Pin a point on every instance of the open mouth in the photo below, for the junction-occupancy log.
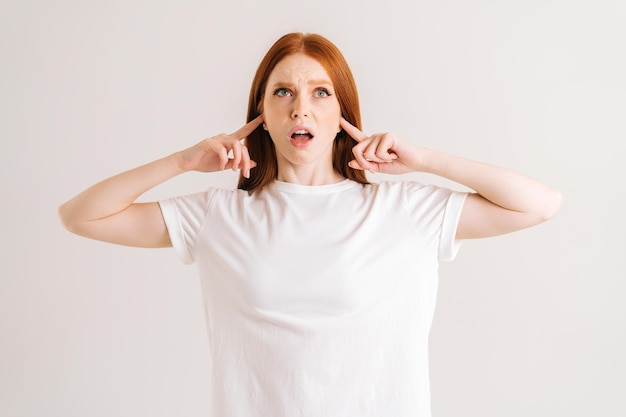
(301, 136)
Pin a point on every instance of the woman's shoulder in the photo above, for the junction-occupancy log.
(401, 186)
(411, 192)
(205, 197)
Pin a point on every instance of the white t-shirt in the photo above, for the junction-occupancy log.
(319, 299)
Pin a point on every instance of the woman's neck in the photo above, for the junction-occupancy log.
(303, 176)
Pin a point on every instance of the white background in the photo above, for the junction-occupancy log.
(529, 324)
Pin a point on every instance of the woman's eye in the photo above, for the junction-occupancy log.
(282, 92)
(322, 92)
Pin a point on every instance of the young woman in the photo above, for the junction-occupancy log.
(319, 286)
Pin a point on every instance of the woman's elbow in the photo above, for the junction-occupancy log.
(67, 220)
(551, 205)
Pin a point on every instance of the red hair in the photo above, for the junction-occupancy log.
(259, 143)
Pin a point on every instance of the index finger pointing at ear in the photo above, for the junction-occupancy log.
(248, 128)
(352, 130)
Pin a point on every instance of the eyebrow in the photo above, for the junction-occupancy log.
(320, 81)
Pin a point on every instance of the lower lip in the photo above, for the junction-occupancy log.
(300, 143)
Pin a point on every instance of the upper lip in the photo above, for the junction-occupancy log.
(304, 128)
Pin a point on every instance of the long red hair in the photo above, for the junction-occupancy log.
(259, 143)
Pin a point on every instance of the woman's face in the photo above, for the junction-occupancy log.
(301, 113)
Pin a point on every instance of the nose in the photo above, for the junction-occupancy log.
(300, 107)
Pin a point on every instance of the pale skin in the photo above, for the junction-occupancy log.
(300, 95)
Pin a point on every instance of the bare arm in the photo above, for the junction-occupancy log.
(107, 211)
(504, 201)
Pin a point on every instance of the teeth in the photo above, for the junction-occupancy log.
(301, 132)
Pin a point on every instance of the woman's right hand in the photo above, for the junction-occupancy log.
(212, 154)
(107, 211)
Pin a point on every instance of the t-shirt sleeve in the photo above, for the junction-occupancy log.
(184, 217)
(448, 243)
(436, 212)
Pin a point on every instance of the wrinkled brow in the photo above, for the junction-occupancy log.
(320, 81)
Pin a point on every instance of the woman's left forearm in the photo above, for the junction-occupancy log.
(503, 187)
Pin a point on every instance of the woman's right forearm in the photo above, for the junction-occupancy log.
(109, 200)
(117, 193)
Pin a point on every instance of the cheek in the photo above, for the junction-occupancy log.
(271, 120)
(333, 111)
(271, 111)
(333, 118)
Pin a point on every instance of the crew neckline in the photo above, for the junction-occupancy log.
(290, 187)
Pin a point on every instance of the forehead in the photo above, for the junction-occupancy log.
(298, 68)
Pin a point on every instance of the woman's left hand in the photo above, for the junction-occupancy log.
(504, 201)
(383, 152)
